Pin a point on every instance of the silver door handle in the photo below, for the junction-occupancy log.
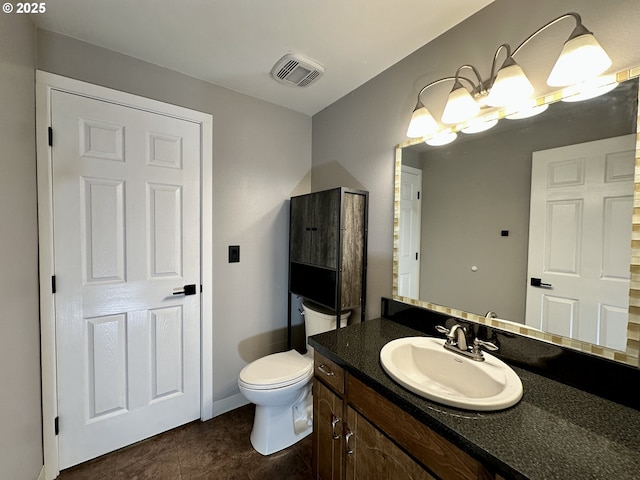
(334, 421)
(323, 368)
(347, 438)
(186, 290)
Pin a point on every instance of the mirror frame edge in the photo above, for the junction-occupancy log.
(631, 356)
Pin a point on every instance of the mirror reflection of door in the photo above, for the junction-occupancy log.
(409, 231)
(580, 240)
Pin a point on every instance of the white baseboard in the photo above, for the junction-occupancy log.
(41, 476)
(230, 403)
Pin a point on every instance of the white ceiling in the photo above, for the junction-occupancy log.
(235, 43)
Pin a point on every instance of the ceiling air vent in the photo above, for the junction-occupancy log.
(296, 70)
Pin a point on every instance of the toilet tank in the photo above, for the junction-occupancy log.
(318, 319)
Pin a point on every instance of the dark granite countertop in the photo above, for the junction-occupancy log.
(554, 432)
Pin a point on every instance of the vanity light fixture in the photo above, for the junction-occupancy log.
(582, 59)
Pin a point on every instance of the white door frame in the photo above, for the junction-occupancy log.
(45, 84)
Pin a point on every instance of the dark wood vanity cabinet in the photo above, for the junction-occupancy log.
(357, 434)
(328, 248)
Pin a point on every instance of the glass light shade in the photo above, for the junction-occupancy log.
(421, 124)
(478, 125)
(441, 138)
(527, 111)
(460, 106)
(582, 58)
(511, 87)
(590, 89)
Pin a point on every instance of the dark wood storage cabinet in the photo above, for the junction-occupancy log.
(315, 225)
(328, 248)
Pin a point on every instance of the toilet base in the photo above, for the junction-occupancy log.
(278, 427)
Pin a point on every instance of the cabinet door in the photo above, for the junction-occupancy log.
(353, 249)
(328, 420)
(369, 454)
(325, 229)
(300, 228)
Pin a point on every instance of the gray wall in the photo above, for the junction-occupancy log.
(261, 156)
(20, 414)
(354, 139)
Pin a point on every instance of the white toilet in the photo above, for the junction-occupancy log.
(280, 386)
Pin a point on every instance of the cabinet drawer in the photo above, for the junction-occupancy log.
(329, 372)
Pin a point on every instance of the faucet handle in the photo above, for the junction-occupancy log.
(442, 329)
(477, 343)
(448, 332)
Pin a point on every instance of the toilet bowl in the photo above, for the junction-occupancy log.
(280, 387)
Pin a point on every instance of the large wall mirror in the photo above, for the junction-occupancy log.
(532, 226)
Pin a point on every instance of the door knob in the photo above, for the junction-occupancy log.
(186, 290)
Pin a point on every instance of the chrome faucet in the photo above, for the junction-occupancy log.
(457, 342)
(458, 336)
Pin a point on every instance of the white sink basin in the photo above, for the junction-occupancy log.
(422, 365)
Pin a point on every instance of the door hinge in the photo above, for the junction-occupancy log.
(418, 195)
(53, 284)
(56, 425)
(416, 255)
(50, 137)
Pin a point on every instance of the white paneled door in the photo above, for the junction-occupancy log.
(409, 237)
(580, 240)
(126, 206)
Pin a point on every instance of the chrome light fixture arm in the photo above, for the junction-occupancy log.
(419, 103)
(494, 73)
(475, 89)
(578, 27)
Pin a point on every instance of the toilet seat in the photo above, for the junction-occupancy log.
(277, 370)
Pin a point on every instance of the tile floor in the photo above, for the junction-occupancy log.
(218, 449)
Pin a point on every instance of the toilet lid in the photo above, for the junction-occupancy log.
(276, 370)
